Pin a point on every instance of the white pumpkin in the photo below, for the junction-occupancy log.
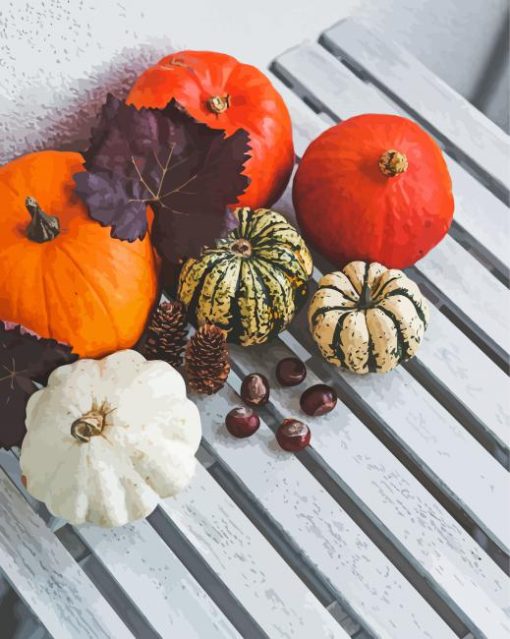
(367, 318)
(107, 439)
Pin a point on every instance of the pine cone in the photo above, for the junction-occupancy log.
(206, 361)
(167, 334)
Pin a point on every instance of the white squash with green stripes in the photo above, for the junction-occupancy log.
(368, 318)
(252, 282)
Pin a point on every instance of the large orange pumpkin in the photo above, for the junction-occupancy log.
(61, 274)
(373, 188)
(225, 94)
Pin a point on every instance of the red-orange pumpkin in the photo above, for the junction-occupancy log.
(68, 280)
(225, 94)
(373, 188)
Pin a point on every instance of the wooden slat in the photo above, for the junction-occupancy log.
(158, 584)
(249, 566)
(477, 211)
(482, 297)
(475, 138)
(47, 577)
(312, 68)
(475, 377)
(365, 582)
(392, 497)
(436, 441)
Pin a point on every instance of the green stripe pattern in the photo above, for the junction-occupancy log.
(368, 318)
(252, 296)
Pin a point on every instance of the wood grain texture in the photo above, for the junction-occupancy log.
(471, 376)
(261, 581)
(366, 582)
(47, 577)
(158, 584)
(440, 446)
(393, 498)
(471, 134)
(317, 74)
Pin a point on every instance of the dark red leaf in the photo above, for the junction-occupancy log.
(25, 358)
(188, 172)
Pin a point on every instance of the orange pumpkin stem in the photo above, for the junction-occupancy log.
(43, 227)
(393, 163)
(218, 103)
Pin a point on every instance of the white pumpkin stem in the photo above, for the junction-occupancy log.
(393, 163)
(90, 424)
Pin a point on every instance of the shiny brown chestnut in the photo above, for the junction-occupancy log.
(242, 422)
(290, 371)
(293, 435)
(255, 389)
(318, 400)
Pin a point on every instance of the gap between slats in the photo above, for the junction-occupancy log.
(329, 481)
(453, 151)
(426, 378)
(489, 438)
(468, 326)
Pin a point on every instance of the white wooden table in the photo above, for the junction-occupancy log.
(396, 522)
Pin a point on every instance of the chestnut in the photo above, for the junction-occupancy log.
(290, 371)
(255, 390)
(318, 400)
(293, 435)
(242, 422)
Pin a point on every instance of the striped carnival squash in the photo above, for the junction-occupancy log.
(251, 284)
(368, 318)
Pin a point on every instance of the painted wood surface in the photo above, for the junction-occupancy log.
(47, 577)
(396, 501)
(156, 581)
(472, 135)
(317, 71)
(462, 367)
(366, 582)
(436, 441)
(258, 577)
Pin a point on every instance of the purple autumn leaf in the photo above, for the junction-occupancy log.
(188, 172)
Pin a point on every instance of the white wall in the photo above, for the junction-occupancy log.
(59, 57)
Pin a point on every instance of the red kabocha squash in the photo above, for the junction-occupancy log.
(373, 188)
(61, 274)
(223, 93)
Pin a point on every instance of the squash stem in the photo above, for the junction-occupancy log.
(241, 247)
(219, 103)
(365, 299)
(43, 227)
(393, 163)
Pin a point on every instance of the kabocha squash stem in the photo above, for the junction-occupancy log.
(43, 227)
(393, 163)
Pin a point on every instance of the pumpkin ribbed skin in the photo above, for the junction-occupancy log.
(368, 318)
(249, 102)
(252, 295)
(82, 287)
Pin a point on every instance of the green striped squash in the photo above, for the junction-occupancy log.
(368, 318)
(253, 281)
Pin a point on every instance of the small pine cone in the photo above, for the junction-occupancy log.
(167, 334)
(207, 361)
